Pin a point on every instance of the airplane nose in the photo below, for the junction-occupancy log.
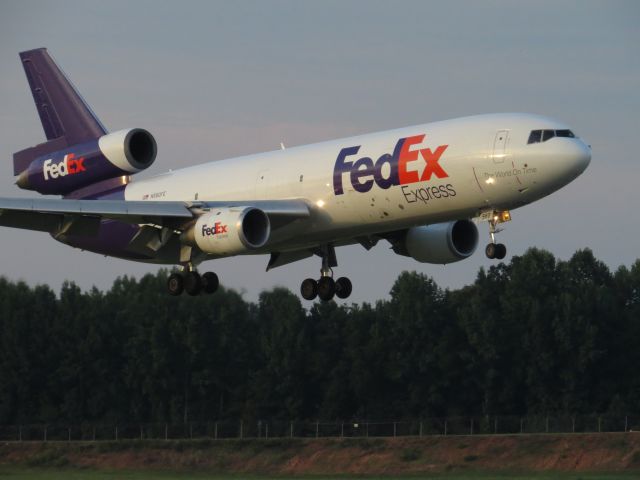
(583, 156)
(566, 159)
(577, 156)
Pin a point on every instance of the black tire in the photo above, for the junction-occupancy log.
(192, 283)
(309, 289)
(210, 282)
(343, 287)
(175, 284)
(326, 288)
(501, 251)
(490, 251)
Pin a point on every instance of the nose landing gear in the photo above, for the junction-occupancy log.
(493, 249)
(326, 287)
(192, 282)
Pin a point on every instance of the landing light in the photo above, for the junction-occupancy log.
(490, 180)
(320, 203)
(499, 216)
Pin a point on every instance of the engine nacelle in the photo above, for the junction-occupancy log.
(110, 156)
(229, 231)
(439, 243)
(130, 150)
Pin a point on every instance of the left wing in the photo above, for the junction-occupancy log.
(84, 216)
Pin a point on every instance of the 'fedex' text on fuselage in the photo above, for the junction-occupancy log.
(363, 172)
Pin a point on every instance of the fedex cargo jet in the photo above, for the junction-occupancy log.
(423, 189)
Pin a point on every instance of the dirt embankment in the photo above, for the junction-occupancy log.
(580, 452)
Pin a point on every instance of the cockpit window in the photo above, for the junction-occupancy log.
(548, 134)
(537, 136)
(565, 133)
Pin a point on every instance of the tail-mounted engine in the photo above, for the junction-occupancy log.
(113, 155)
(229, 231)
(439, 243)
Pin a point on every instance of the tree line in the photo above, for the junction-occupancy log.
(536, 335)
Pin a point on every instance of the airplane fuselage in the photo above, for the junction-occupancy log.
(452, 169)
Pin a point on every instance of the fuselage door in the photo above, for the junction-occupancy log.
(500, 146)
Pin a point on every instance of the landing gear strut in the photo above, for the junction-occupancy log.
(192, 282)
(326, 287)
(493, 249)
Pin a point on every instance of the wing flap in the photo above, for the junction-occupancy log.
(30, 221)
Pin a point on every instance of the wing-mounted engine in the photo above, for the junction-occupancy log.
(60, 172)
(439, 243)
(229, 231)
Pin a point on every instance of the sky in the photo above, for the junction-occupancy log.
(214, 80)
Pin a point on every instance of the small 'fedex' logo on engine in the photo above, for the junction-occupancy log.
(405, 166)
(216, 229)
(68, 166)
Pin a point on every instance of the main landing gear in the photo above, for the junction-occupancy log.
(493, 249)
(192, 282)
(326, 287)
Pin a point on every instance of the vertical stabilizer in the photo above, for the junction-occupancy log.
(65, 116)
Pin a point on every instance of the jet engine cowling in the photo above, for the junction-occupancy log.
(439, 243)
(130, 150)
(77, 166)
(229, 231)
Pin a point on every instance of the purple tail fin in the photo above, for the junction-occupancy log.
(66, 118)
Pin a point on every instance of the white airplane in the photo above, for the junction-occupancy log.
(423, 189)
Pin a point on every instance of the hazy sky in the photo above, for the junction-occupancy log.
(213, 80)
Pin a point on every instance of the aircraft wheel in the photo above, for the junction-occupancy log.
(309, 289)
(192, 283)
(343, 287)
(326, 288)
(490, 250)
(501, 251)
(175, 284)
(210, 282)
